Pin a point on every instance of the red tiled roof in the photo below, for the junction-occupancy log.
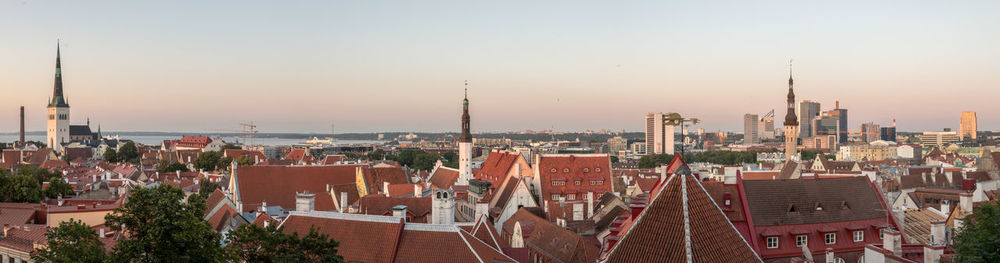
(770, 201)
(277, 185)
(682, 223)
(187, 156)
(365, 238)
(255, 156)
(299, 155)
(497, 166)
(397, 190)
(591, 171)
(376, 177)
(444, 177)
(333, 159)
(418, 207)
(551, 240)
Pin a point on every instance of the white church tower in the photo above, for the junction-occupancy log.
(57, 128)
(465, 144)
(443, 207)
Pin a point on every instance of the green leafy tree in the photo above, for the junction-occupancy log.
(224, 163)
(979, 239)
(40, 174)
(72, 241)
(654, 160)
(165, 166)
(160, 226)
(58, 187)
(128, 153)
(23, 189)
(614, 159)
(206, 187)
(110, 155)
(250, 243)
(809, 155)
(450, 159)
(244, 161)
(377, 154)
(208, 161)
(425, 161)
(230, 146)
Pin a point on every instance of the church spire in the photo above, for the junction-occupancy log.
(466, 134)
(58, 99)
(790, 118)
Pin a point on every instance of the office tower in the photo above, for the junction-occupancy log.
(808, 110)
(659, 136)
(870, 132)
(751, 134)
(888, 134)
(967, 127)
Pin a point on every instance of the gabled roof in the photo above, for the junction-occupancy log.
(277, 185)
(794, 201)
(376, 177)
(299, 155)
(497, 166)
(367, 238)
(682, 223)
(382, 205)
(333, 158)
(444, 177)
(569, 169)
(550, 239)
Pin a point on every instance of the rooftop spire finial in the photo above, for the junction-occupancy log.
(466, 89)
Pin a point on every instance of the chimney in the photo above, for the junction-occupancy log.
(545, 204)
(385, 188)
(731, 177)
(263, 206)
(21, 138)
(932, 253)
(578, 211)
(891, 242)
(945, 207)
(416, 191)
(829, 254)
(343, 202)
(5, 228)
(900, 216)
(101, 233)
(399, 211)
(937, 232)
(590, 204)
(965, 202)
(305, 202)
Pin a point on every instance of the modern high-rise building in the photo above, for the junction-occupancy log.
(659, 136)
(832, 122)
(751, 134)
(791, 123)
(808, 110)
(767, 126)
(888, 134)
(465, 144)
(57, 130)
(616, 144)
(870, 132)
(967, 127)
(937, 139)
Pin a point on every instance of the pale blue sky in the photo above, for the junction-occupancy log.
(295, 66)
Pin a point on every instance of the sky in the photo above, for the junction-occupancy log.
(370, 66)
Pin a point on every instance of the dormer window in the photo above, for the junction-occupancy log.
(565, 170)
(844, 206)
(597, 170)
(819, 207)
(791, 208)
(553, 170)
(585, 170)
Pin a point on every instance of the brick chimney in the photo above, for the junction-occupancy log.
(937, 233)
(730, 178)
(399, 211)
(891, 241)
(932, 253)
(343, 202)
(305, 202)
(417, 192)
(385, 188)
(965, 201)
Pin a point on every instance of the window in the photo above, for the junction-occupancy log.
(597, 170)
(52, 116)
(570, 196)
(772, 242)
(553, 170)
(801, 240)
(859, 236)
(577, 182)
(831, 238)
(555, 197)
(596, 182)
(585, 170)
(565, 170)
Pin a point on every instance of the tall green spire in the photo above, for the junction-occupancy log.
(58, 99)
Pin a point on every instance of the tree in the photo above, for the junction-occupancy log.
(377, 154)
(206, 187)
(23, 189)
(128, 153)
(71, 241)
(230, 146)
(58, 187)
(208, 161)
(614, 159)
(425, 161)
(809, 155)
(169, 167)
(979, 239)
(40, 174)
(160, 226)
(244, 161)
(250, 243)
(654, 160)
(450, 159)
(110, 155)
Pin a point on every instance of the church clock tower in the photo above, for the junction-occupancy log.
(57, 128)
(465, 144)
(791, 123)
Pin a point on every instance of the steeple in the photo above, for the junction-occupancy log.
(790, 118)
(58, 99)
(466, 135)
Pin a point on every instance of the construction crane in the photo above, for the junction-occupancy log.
(246, 134)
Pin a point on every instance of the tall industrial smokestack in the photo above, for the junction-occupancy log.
(21, 139)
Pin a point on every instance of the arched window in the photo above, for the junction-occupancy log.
(438, 194)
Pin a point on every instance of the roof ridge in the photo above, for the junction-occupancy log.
(641, 214)
(728, 221)
(687, 219)
(471, 250)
